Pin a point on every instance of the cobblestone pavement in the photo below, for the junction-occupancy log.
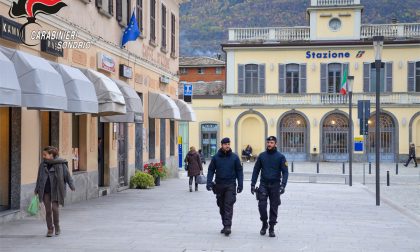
(313, 217)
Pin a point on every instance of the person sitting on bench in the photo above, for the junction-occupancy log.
(247, 152)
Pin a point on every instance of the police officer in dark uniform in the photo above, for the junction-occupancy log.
(227, 167)
(274, 174)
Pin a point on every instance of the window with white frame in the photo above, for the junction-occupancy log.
(218, 70)
(200, 70)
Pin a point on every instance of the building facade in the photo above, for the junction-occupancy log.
(201, 69)
(108, 109)
(285, 81)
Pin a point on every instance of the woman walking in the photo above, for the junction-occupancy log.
(53, 175)
(194, 166)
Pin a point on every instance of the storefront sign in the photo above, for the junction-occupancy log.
(52, 47)
(10, 30)
(126, 71)
(106, 63)
(327, 55)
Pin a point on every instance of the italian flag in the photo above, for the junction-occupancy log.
(343, 89)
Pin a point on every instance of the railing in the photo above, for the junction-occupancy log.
(273, 34)
(391, 30)
(334, 2)
(316, 99)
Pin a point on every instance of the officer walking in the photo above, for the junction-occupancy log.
(274, 174)
(228, 169)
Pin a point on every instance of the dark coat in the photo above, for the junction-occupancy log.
(227, 167)
(273, 167)
(412, 151)
(194, 163)
(59, 176)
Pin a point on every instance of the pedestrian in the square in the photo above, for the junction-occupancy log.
(273, 181)
(203, 159)
(194, 165)
(53, 175)
(228, 169)
(411, 155)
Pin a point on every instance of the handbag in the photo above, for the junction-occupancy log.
(201, 179)
(186, 167)
(34, 205)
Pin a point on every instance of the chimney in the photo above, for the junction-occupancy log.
(394, 20)
(219, 56)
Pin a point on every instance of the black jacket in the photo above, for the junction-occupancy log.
(273, 167)
(412, 151)
(227, 168)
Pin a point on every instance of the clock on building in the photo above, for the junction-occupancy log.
(335, 24)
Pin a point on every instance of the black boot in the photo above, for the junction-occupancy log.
(223, 230)
(264, 227)
(190, 188)
(196, 187)
(271, 232)
(227, 231)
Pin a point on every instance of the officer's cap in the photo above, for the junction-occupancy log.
(272, 138)
(225, 140)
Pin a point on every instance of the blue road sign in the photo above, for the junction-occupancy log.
(188, 89)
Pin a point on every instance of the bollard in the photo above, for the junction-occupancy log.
(396, 168)
(344, 168)
(370, 168)
(387, 178)
(317, 167)
(293, 166)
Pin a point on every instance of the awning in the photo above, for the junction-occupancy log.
(133, 105)
(161, 106)
(81, 95)
(186, 111)
(110, 99)
(10, 93)
(42, 86)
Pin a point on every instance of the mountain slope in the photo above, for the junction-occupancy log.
(204, 23)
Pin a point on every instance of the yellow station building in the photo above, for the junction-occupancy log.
(285, 81)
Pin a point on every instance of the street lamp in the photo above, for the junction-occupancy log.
(350, 80)
(378, 44)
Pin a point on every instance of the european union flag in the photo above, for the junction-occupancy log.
(132, 31)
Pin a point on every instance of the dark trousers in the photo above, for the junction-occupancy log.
(51, 210)
(226, 198)
(272, 192)
(191, 180)
(409, 159)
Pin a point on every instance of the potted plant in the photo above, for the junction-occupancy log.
(157, 170)
(142, 180)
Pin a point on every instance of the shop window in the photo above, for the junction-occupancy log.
(152, 138)
(75, 143)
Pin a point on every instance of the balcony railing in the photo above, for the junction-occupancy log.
(391, 30)
(316, 99)
(334, 2)
(270, 34)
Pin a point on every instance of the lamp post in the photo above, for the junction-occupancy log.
(378, 43)
(350, 80)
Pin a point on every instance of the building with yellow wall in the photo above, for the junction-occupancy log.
(285, 81)
(125, 109)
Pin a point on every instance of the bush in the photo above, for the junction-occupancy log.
(142, 180)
